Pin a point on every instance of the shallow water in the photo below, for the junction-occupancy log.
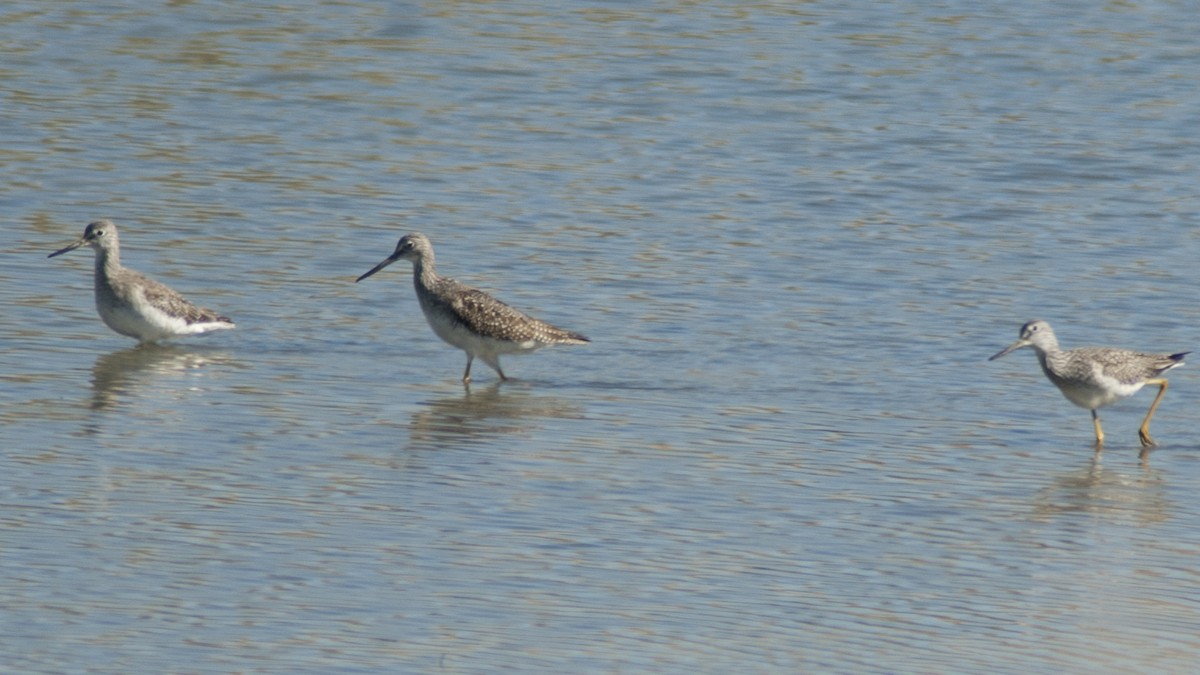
(794, 234)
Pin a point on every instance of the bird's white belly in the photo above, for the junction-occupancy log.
(144, 325)
(1092, 396)
(455, 333)
(142, 320)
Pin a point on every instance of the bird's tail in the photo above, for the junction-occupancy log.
(1172, 361)
(572, 338)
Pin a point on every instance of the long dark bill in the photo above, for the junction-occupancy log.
(1009, 349)
(385, 263)
(67, 249)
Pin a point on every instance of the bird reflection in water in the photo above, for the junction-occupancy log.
(1138, 495)
(119, 374)
(481, 414)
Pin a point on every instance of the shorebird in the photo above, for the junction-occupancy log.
(468, 318)
(133, 304)
(1093, 377)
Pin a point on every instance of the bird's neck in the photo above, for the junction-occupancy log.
(424, 272)
(1046, 354)
(107, 263)
(1049, 347)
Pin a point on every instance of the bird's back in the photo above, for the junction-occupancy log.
(129, 282)
(1122, 365)
(482, 315)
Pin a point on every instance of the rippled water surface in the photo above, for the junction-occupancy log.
(794, 232)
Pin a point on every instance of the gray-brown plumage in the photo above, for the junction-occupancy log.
(1093, 377)
(468, 318)
(133, 304)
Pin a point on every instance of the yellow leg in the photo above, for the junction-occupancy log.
(1099, 432)
(1144, 431)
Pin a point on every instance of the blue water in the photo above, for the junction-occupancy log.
(794, 233)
